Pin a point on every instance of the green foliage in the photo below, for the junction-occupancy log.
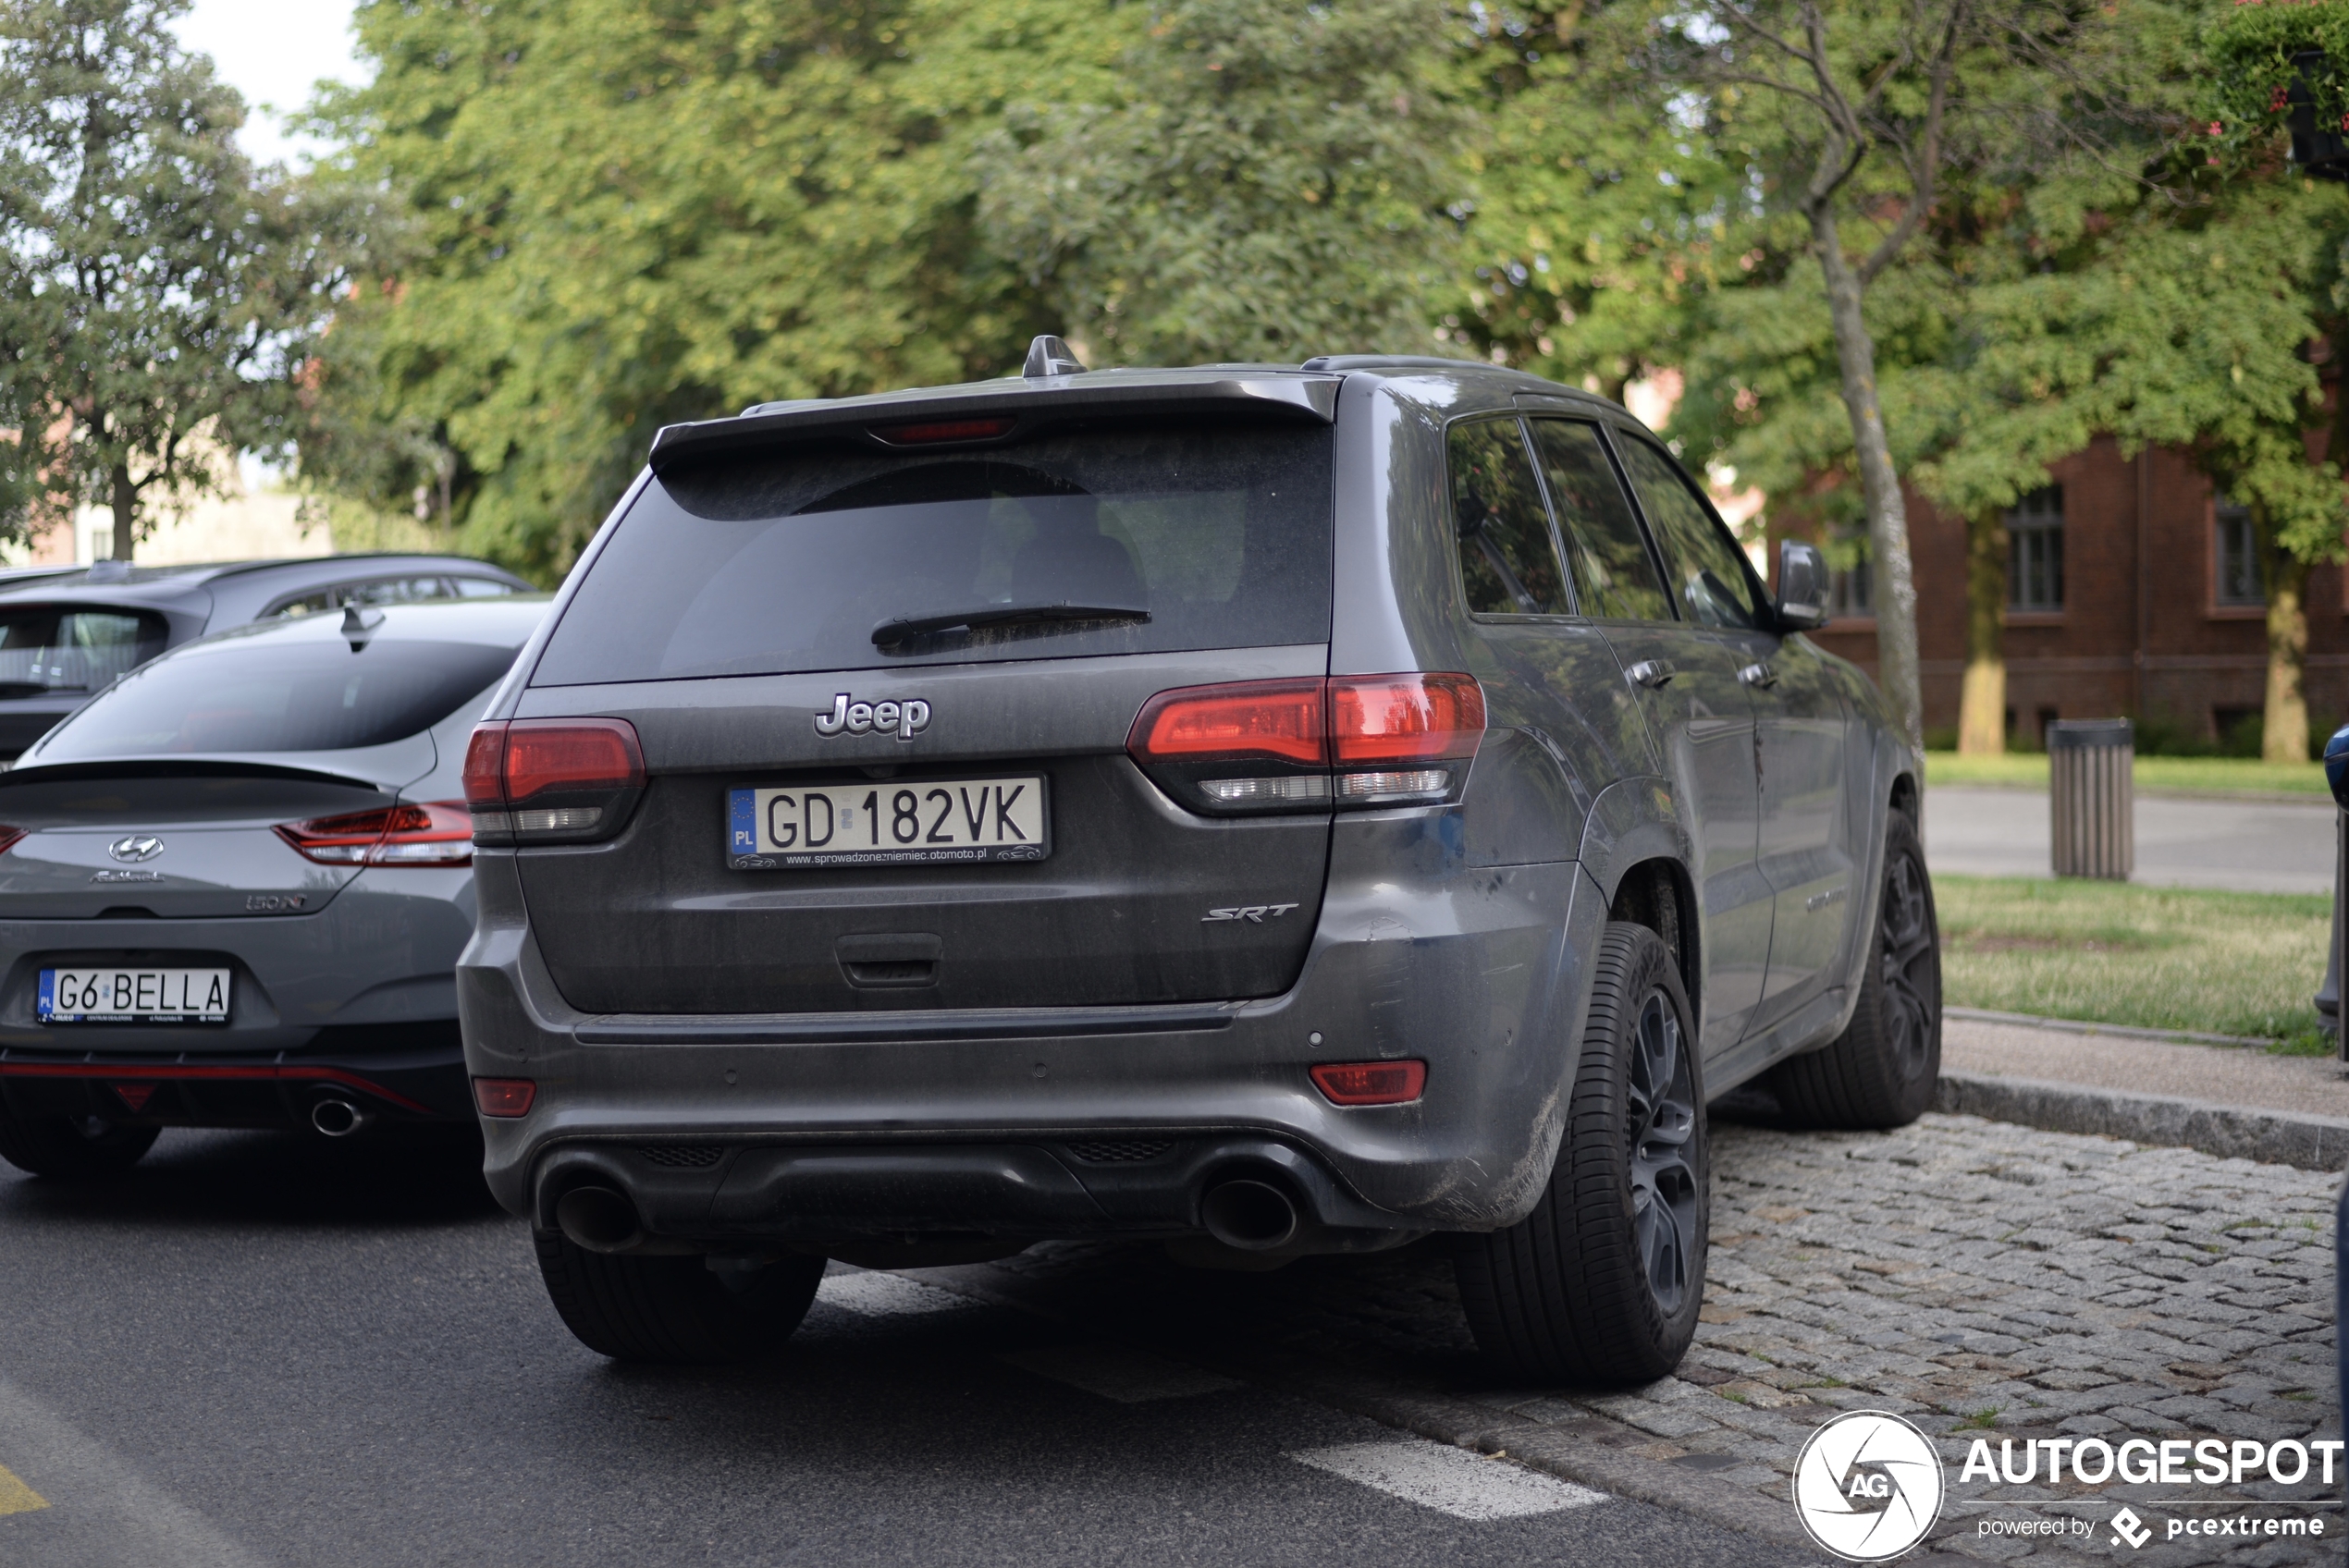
(628, 214)
(1267, 182)
(156, 293)
(2252, 76)
(1599, 218)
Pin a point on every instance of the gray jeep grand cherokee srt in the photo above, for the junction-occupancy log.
(1278, 811)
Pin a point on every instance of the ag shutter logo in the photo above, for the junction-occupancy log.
(1867, 1485)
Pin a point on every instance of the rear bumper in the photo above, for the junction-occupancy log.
(420, 1080)
(821, 1126)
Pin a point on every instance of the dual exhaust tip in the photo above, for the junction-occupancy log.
(1244, 1213)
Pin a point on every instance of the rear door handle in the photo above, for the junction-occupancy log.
(1760, 675)
(1653, 673)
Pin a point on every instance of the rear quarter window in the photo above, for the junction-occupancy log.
(789, 563)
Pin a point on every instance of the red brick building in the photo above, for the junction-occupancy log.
(2131, 591)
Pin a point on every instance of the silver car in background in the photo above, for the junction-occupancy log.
(234, 886)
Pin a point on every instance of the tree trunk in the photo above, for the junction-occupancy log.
(1894, 586)
(125, 496)
(1982, 710)
(2286, 737)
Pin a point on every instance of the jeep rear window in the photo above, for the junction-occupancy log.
(788, 563)
(278, 694)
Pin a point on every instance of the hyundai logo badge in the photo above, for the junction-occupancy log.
(135, 848)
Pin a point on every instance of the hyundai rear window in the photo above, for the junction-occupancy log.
(276, 695)
(1109, 542)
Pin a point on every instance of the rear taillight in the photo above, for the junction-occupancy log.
(8, 837)
(552, 781)
(1286, 745)
(432, 833)
(1370, 1083)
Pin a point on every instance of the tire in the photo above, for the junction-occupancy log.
(71, 1148)
(1600, 1285)
(675, 1311)
(1882, 1070)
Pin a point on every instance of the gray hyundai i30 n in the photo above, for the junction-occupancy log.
(234, 886)
(1268, 810)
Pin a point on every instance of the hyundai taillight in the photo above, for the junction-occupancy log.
(1287, 745)
(552, 781)
(8, 837)
(429, 833)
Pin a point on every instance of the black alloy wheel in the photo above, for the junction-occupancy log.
(1665, 1209)
(1601, 1284)
(1883, 1069)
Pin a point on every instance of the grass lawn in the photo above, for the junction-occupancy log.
(2159, 958)
(2218, 774)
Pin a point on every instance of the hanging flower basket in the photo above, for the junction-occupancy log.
(2279, 66)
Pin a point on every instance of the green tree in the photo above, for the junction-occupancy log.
(1599, 217)
(1849, 118)
(1269, 181)
(627, 212)
(158, 298)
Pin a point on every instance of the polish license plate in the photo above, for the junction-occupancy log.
(104, 995)
(888, 822)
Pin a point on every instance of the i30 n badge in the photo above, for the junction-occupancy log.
(135, 848)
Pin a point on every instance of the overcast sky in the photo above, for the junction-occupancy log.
(272, 51)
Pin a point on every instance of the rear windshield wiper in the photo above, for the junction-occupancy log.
(906, 628)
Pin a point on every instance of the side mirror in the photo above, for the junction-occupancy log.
(2337, 765)
(1803, 586)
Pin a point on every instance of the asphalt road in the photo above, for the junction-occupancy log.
(2248, 846)
(259, 1349)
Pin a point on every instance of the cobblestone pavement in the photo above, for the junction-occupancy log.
(1988, 1280)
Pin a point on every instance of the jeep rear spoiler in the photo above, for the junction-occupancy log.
(1015, 406)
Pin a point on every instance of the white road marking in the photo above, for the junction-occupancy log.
(1129, 1377)
(98, 1507)
(885, 1295)
(1450, 1480)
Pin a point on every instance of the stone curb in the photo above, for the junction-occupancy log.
(1594, 1455)
(2228, 1131)
(2081, 1026)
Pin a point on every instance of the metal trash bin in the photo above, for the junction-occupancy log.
(2091, 796)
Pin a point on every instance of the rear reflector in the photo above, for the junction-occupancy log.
(1405, 717)
(1275, 720)
(943, 430)
(504, 1097)
(433, 833)
(1370, 1083)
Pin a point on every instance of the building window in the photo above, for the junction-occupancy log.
(101, 544)
(1851, 589)
(2237, 549)
(2035, 551)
